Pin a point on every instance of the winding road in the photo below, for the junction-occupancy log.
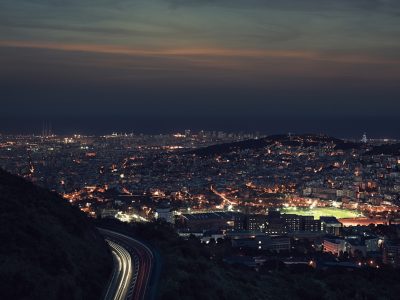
(133, 267)
(122, 273)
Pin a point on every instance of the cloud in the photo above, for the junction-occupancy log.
(302, 5)
(115, 31)
(251, 24)
(209, 34)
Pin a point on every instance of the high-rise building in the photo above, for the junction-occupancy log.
(256, 222)
(309, 224)
(293, 222)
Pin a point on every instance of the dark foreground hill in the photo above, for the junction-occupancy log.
(49, 250)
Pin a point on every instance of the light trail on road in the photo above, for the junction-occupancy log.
(122, 275)
(134, 264)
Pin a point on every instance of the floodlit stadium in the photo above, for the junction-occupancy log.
(322, 211)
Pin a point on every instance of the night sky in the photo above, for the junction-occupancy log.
(96, 66)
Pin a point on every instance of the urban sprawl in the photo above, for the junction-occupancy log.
(307, 199)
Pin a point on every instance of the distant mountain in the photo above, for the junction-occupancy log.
(306, 140)
(49, 249)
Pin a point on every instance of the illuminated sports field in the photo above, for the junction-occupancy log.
(322, 211)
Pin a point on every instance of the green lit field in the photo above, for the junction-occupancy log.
(322, 211)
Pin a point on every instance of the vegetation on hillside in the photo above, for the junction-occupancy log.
(49, 250)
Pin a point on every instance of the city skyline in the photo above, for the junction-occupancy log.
(341, 127)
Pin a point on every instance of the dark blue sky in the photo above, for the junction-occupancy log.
(164, 65)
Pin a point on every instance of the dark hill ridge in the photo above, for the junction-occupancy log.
(387, 149)
(306, 140)
(49, 249)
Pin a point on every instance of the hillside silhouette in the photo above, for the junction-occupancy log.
(49, 249)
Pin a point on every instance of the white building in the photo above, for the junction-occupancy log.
(165, 214)
(334, 246)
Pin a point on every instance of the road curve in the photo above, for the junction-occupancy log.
(141, 266)
(122, 274)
